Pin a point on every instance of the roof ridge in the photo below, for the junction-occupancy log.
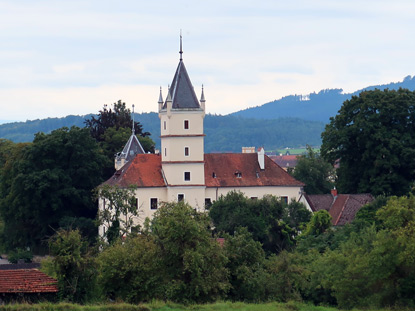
(343, 207)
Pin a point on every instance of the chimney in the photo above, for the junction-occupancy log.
(248, 149)
(334, 192)
(261, 158)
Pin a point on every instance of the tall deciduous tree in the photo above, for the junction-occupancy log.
(112, 128)
(117, 117)
(50, 184)
(194, 263)
(315, 172)
(374, 137)
(74, 266)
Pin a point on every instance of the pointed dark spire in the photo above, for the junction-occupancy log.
(168, 99)
(160, 97)
(202, 97)
(181, 47)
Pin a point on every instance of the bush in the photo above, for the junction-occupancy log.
(20, 254)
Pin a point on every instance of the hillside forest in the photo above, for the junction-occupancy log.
(292, 121)
(238, 249)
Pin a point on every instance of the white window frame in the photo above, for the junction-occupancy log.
(151, 207)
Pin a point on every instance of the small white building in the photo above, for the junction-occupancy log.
(182, 171)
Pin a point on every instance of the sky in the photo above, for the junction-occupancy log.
(60, 58)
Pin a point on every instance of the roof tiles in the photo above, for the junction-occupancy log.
(223, 169)
(342, 208)
(143, 171)
(26, 281)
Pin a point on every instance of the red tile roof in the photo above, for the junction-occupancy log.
(143, 171)
(352, 206)
(226, 166)
(26, 281)
(342, 208)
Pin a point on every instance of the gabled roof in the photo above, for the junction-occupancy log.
(143, 171)
(26, 281)
(146, 171)
(131, 149)
(222, 170)
(342, 208)
(181, 90)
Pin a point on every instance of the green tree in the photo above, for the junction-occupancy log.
(246, 264)
(320, 222)
(112, 129)
(50, 181)
(74, 265)
(315, 172)
(374, 137)
(286, 276)
(131, 270)
(118, 210)
(367, 214)
(193, 261)
(119, 116)
(271, 221)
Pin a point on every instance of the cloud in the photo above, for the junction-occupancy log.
(71, 57)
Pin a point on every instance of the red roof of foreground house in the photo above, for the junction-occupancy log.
(224, 169)
(26, 281)
(221, 170)
(342, 207)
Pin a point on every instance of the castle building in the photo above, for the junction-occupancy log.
(183, 172)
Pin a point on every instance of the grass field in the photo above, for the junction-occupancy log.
(162, 306)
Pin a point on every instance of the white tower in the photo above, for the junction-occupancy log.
(182, 139)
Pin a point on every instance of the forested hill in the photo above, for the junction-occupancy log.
(315, 106)
(223, 133)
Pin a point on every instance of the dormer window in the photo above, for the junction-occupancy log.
(213, 175)
(257, 174)
(238, 174)
(186, 124)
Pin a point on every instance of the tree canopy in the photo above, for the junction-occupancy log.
(271, 221)
(315, 172)
(373, 135)
(111, 128)
(48, 185)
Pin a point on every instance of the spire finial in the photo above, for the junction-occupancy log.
(133, 121)
(160, 97)
(202, 97)
(181, 48)
(168, 99)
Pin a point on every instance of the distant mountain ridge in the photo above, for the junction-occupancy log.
(223, 133)
(315, 106)
(292, 121)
